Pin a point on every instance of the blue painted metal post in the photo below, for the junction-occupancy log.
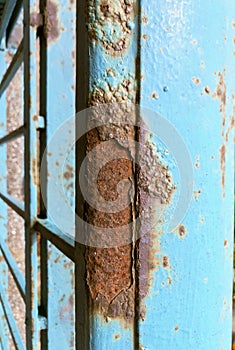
(60, 97)
(31, 7)
(187, 69)
(179, 63)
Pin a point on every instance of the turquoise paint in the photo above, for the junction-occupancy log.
(194, 312)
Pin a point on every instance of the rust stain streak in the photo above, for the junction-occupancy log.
(222, 167)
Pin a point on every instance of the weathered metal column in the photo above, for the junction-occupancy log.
(177, 59)
(187, 65)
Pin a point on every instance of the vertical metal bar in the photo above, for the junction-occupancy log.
(82, 72)
(3, 209)
(30, 115)
(60, 105)
(42, 145)
(187, 60)
(112, 61)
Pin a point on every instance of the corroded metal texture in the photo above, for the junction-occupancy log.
(111, 23)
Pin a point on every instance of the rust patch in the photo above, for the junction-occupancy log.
(117, 336)
(197, 194)
(222, 167)
(111, 24)
(169, 281)
(207, 90)
(109, 270)
(34, 171)
(182, 232)
(155, 95)
(69, 173)
(221, 94)
(144, 20)
(197, 164)
(226, 243)
(52, 27)
(231, 126)
(176, 328)
(165, 263)
(116, 275)
(196, 81)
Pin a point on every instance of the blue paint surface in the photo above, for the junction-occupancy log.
(184, 44)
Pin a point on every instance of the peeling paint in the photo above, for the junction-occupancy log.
(111, 24)
(115, 275)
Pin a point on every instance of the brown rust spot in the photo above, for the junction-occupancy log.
(176, 328)
(35, 171)
(222, 167)
(165, 262)
(226, 243)
(182, 231)
(117, 336)
(69, 173)
(155, 95)
(196, 194)
(144, 19)
(231, 126)
(145, 36)
(169, 281)
(207, 90)
(196, 80)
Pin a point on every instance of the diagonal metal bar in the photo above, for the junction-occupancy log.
(7, 14)
(14, 268)
(13, 203)
(13, 135)
(49, 231)
(13, 67)
(11, 321)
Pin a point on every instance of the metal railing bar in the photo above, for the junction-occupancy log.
(7, 14)
(13, 67)
(13, 19)
(13, 135)
(14, 268)
(48, 230)
(11, 321)
(13, 203)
